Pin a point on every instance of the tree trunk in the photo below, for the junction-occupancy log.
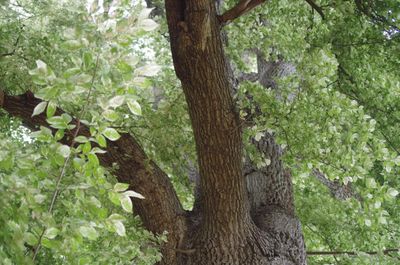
(244, 215)
(234, 223)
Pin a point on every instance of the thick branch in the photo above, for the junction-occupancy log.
(238, 10)
(316, 8)
(160, 210)
(251, 77)
(337, 189)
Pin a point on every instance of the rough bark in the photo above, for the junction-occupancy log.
(201, 66)
(224, 232)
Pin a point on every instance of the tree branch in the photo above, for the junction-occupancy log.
(369, 12)
(160, 211)
(238, 10)
(316, 8)
(251, 77)
(352, 253)
(338, 190)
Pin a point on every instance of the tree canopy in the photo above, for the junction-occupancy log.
(90, 96)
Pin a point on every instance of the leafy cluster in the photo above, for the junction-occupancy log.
(338, 113)
(63, 207)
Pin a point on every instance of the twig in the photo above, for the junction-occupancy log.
(352, 253)
(324, 238)
(14, 49)
(66, 162)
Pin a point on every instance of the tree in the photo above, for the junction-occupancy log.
(307, 110)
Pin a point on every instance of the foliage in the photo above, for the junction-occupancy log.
(84, 58)
(341, 120)
(109, 66)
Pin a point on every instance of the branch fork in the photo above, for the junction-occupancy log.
(238, 10)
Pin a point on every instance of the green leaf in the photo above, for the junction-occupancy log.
(59, 134)
(78, 163)
(148, 70)
(93, 160)
(6, 163)
(48, 243)
(121, 187)
(88, 232)
(110, 115)
(131, 60)
(51, 232)
(87, 59)
(134, 107)
(116, 217)
(30, 239)
(114, 197)
(397, 161)
(86, 147)
(258, 136)
(64, 151)
(97, 150)
(111, 134)
(126, 203)
(58, 122)
(84, 79)
(95, 202)
(85, 260)
(72, 72)
(39, 198)
(392, 192)
(116, 101)
(51, 109)
(101, 140)
(81, 139)
(371, 183)
(120, 228)
(72, 45)
(41, 67)
(39, 108)
(148, 24)
(131, 193)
